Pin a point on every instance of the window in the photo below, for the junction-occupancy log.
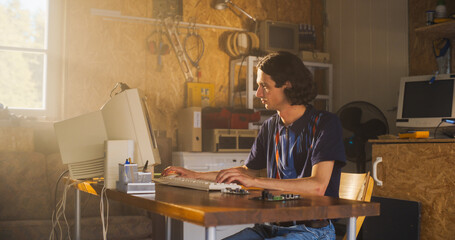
(29, 50)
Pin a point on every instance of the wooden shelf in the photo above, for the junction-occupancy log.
(437, 31)
(251, 61)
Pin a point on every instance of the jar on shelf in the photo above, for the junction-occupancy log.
(441, 10)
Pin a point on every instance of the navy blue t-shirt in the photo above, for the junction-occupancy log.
(313, 138)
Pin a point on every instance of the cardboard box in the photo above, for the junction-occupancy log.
(228, 140)
(189, 130)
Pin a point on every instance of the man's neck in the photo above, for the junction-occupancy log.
(291, 113)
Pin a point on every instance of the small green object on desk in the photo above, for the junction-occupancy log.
(267, 196)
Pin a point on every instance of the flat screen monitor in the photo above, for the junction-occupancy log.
(424, 102)
(124, 117)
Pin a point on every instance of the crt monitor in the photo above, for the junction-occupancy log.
(278, 36)
(124, 117)
(425, 101)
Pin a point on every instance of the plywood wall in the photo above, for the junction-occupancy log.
(100, 52)
(421, 57)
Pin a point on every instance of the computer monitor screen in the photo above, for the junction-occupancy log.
(278, 36)
(423, 102)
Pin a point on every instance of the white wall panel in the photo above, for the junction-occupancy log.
(368, 43)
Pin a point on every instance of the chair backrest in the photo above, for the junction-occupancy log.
(356, 186)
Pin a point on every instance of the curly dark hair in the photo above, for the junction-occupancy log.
(284, 66)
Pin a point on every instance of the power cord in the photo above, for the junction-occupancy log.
(56, 186)
(446, 120)
(436, 129)
(60, 211)
(123, 87)
(105, 225)
(55, 195)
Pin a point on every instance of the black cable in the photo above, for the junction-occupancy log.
(56, 186)
(200, 53)
(199, 42)
(447, 120)
(436, 129)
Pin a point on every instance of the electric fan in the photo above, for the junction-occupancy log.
(361, 121)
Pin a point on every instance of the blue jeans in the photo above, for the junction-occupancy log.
(298, 232)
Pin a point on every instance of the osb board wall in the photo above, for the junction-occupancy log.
(421, 57)
(421, 172)
(100, 53)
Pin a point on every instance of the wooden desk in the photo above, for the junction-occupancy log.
(210, 209)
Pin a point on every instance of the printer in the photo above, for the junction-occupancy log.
(209, 161)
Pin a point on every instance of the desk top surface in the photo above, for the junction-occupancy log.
(216, 208)
(412, 140)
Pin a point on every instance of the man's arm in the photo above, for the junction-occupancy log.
(314, 185)
(211, 176)
(183, 172)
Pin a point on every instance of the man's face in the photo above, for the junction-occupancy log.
(273, 98)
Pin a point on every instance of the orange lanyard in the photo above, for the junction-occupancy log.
(277, 153)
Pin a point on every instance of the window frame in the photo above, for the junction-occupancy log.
(53, 66)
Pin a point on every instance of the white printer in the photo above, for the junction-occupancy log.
(208, 161)
(204, 162)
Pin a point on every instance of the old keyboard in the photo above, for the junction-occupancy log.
(195, 183)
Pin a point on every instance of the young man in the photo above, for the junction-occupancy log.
(301, 148)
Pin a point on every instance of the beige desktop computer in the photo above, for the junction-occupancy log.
(124, 117)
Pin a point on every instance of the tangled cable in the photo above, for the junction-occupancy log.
(193, 37)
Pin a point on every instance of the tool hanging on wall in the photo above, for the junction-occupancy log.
(239, 43)
(157, 46)
(194, 46)
(441, 50)
(172, 34)
(163, 49)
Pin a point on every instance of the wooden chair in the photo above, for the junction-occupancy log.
(356, 186)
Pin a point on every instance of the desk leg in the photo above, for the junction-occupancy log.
(77, 215)
(351, 228)
(210, 233)
(168, 223)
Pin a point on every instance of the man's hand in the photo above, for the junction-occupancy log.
(239, 175)
(316, 184)
(182, 172)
